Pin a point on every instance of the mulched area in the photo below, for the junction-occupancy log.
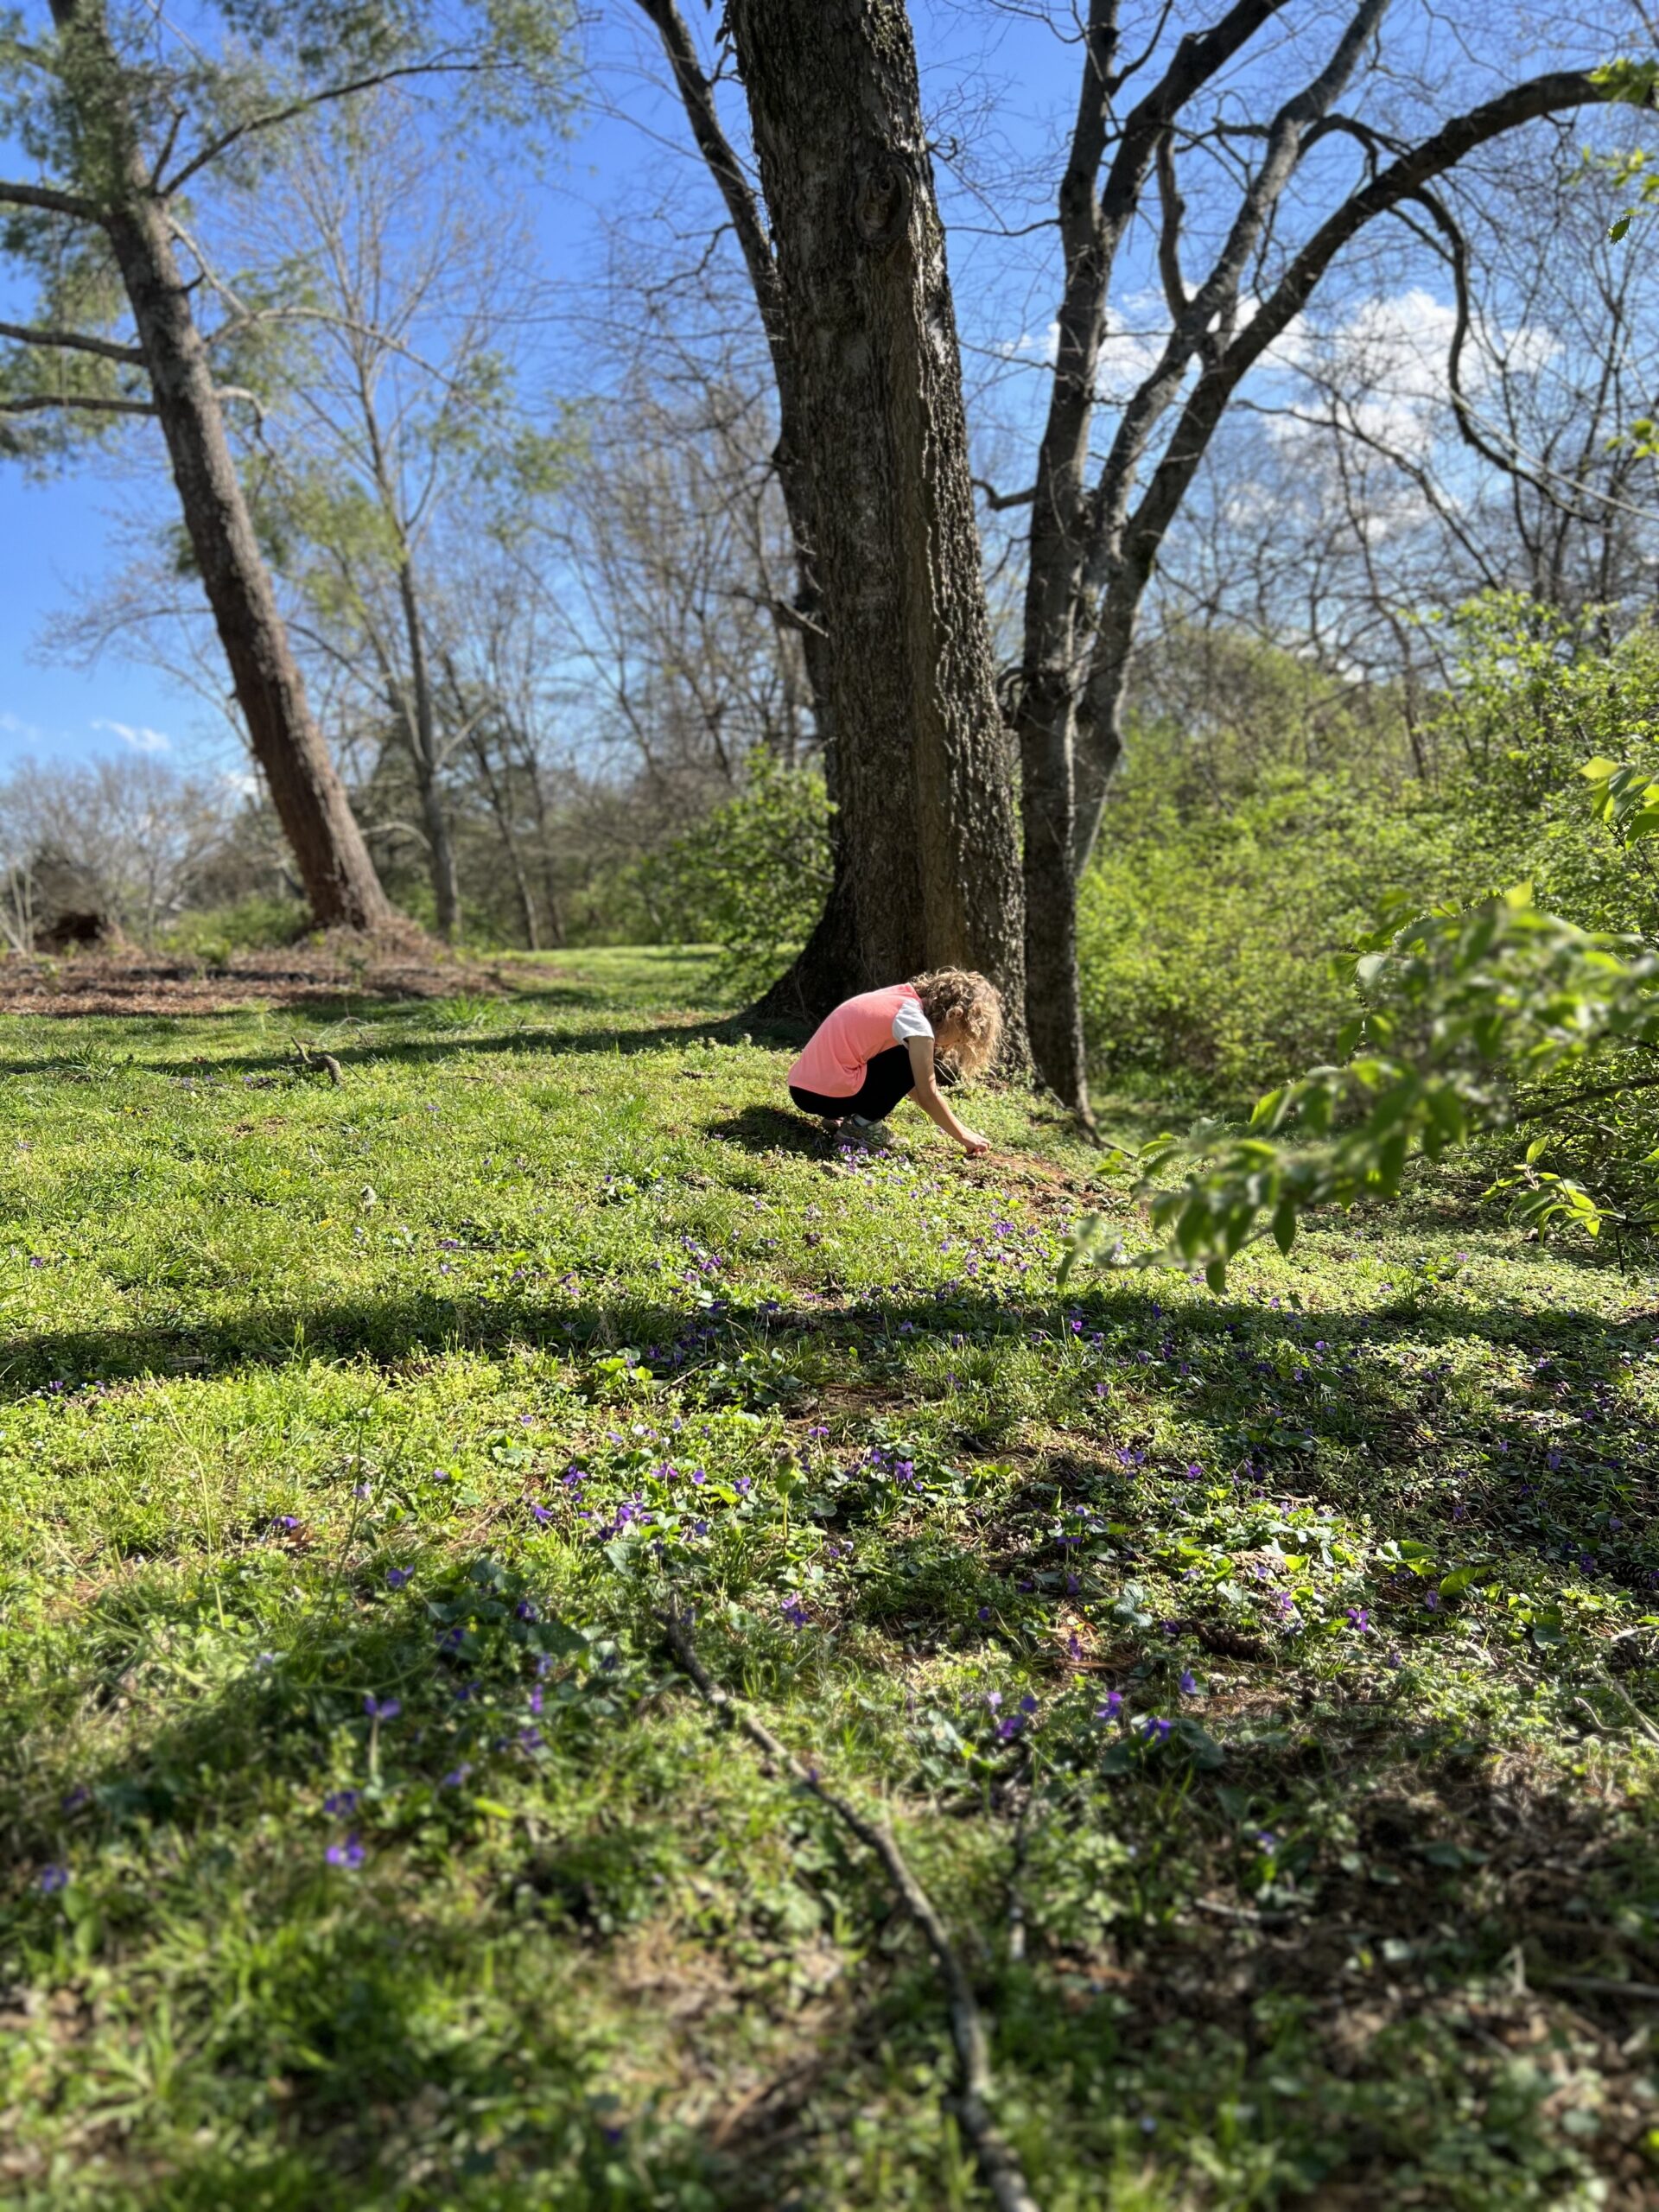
(329, 975)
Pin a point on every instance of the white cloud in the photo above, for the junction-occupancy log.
(1027, 346)
(14, 726)
(141, 739)
(239, 781)
(1388, 359)
(1129, 351)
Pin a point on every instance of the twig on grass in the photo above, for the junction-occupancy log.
(1634, 1709)
(1016, 1878)
(997, 2162)
(310, 1058)
(1601, 1985)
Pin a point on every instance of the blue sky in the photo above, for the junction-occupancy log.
(59, 537)
(993, 76)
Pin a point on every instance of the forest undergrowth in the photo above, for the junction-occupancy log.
(1266, 1687)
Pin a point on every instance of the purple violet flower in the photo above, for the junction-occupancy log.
(349, 1853)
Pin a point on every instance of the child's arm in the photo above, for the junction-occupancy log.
(927, 1096)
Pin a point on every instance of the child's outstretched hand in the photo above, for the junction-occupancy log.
(973, 1144)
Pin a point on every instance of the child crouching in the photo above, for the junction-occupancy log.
(879, 1048)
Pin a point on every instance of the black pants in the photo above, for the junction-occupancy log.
(888, 1078)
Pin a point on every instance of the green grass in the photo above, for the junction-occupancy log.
(434, 1387)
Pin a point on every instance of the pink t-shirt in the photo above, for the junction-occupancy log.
(845, 1043)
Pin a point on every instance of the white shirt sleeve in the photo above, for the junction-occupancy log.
(910, 1022)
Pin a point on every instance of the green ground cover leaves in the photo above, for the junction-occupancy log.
(1263, 1684)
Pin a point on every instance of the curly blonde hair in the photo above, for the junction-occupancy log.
(957, 1001)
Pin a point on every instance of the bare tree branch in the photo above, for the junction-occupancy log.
(996, 501)
(1172, 211)
(997, 2161)
(697, 98)
(80, 403)
(276, 117)
(696, 93)
(167, 145)
(1215, 301)
(1128, 566)
(50, 202)
(73, 341)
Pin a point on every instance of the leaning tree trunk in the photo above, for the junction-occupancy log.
(922, 776)
(305, 790)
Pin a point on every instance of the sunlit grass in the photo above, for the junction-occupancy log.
(427, 1391)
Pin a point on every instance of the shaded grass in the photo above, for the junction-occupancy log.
(428, 1390)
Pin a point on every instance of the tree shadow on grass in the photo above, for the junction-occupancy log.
(348, 1980)
(400, 1049)
(1450, 1867)
(1551, 1462)
(1150, 1345)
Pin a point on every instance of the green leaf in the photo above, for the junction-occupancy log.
(1459, 1580)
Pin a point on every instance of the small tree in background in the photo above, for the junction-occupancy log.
(128, 839)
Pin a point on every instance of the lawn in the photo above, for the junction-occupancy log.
(1263, 1686)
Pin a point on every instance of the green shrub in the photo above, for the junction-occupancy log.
(752, 876)
(1205, 938)
(1535, 695)
(258, 924)
(1236, 859)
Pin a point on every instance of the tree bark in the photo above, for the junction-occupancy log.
(420, 718)
(305, 787)
(926, 818)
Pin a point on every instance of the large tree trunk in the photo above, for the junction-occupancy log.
(305, 789)
(931, 874)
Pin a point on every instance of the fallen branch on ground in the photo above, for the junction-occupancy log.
(997, 2162)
